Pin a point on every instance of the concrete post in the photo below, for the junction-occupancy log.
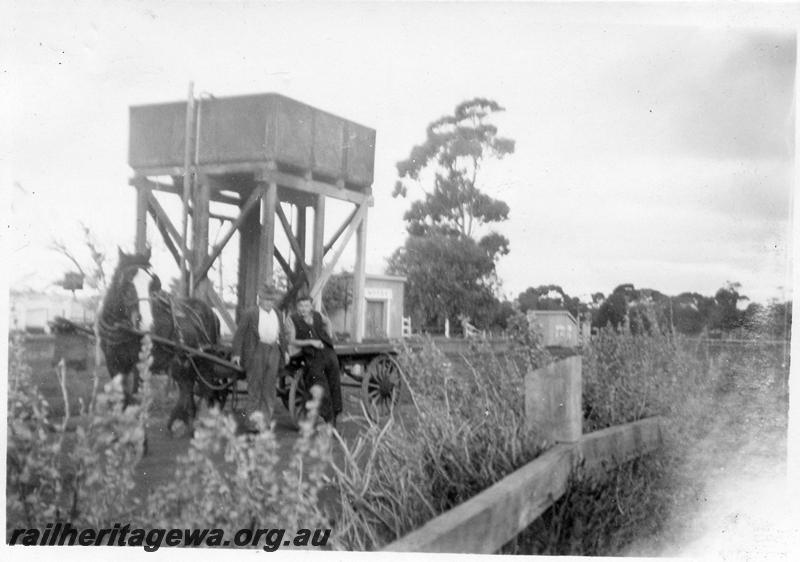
(553, 405)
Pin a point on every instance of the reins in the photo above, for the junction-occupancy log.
(122, 332)
(197, 324)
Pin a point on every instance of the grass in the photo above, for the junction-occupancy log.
(464, 431)
(717, 406)
(468, 433)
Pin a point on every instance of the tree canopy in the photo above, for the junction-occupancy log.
(446, 167)
(690, 313)
(446, 276)
(338, 292)
(449, 255)
(549, 297)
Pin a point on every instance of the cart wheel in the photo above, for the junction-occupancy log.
(380, 386)
(295, 400)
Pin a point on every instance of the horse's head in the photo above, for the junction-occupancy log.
(133, 280)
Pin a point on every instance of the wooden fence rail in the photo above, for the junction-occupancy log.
(553, 409)
(484, 523)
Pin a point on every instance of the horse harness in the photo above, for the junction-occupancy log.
(118, 333)
(169, 300)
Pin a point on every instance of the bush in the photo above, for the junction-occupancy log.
(34, 486)
(226, 480)
(55, 476)
(231, 481)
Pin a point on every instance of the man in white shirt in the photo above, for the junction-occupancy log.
(259, 346)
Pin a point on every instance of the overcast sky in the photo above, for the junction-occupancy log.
(655, 145)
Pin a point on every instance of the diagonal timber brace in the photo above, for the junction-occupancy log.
(339, 231)
(287, 228)
(172, 238)
(251, 203)
(358, 217)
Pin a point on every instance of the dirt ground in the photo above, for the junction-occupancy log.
(738, 502)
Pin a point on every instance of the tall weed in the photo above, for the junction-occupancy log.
(462, 432)
(715, 404)
(627, 377)
(232, 481)
(86, 476)
(601, 516)
(54, 475)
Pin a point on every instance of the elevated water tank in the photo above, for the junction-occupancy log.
(255, 129)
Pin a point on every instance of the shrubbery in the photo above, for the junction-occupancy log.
(86, 476)
(54, 475)
(465, 432)
(231, 481)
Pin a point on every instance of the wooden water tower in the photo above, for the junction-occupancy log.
(267, 158)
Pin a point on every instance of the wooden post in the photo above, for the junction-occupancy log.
(142, 203)
(187, 190)
(267, 245)
(200, 239)
(553, 406)
(249, 266)
(359, 278)
(300, 236)
(318, 250)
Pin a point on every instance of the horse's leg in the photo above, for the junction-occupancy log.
(184, 405)
(191, 405)
(128, 398)
(221, 397)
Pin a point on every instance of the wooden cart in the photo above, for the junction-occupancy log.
(370, 367)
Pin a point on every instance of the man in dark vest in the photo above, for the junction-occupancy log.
(259, 345)
(311, 332)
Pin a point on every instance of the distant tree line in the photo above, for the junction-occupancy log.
(449, 257)
(644, 310)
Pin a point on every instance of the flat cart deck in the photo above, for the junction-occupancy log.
(370, 367)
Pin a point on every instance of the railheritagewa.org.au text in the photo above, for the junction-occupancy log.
(64, 534)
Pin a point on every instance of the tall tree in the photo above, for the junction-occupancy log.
(690, 312)
(449, 256)
(726, 315)
(447, 166)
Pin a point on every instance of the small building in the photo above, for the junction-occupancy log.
(33, 311)
(558, 327)
(383, 309)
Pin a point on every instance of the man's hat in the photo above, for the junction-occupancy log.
(269, 291)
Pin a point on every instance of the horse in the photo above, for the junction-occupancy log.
(187, 321)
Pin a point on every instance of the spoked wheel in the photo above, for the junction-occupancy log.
(297, 397)
(380, 387)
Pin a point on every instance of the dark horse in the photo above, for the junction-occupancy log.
(189, 322)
